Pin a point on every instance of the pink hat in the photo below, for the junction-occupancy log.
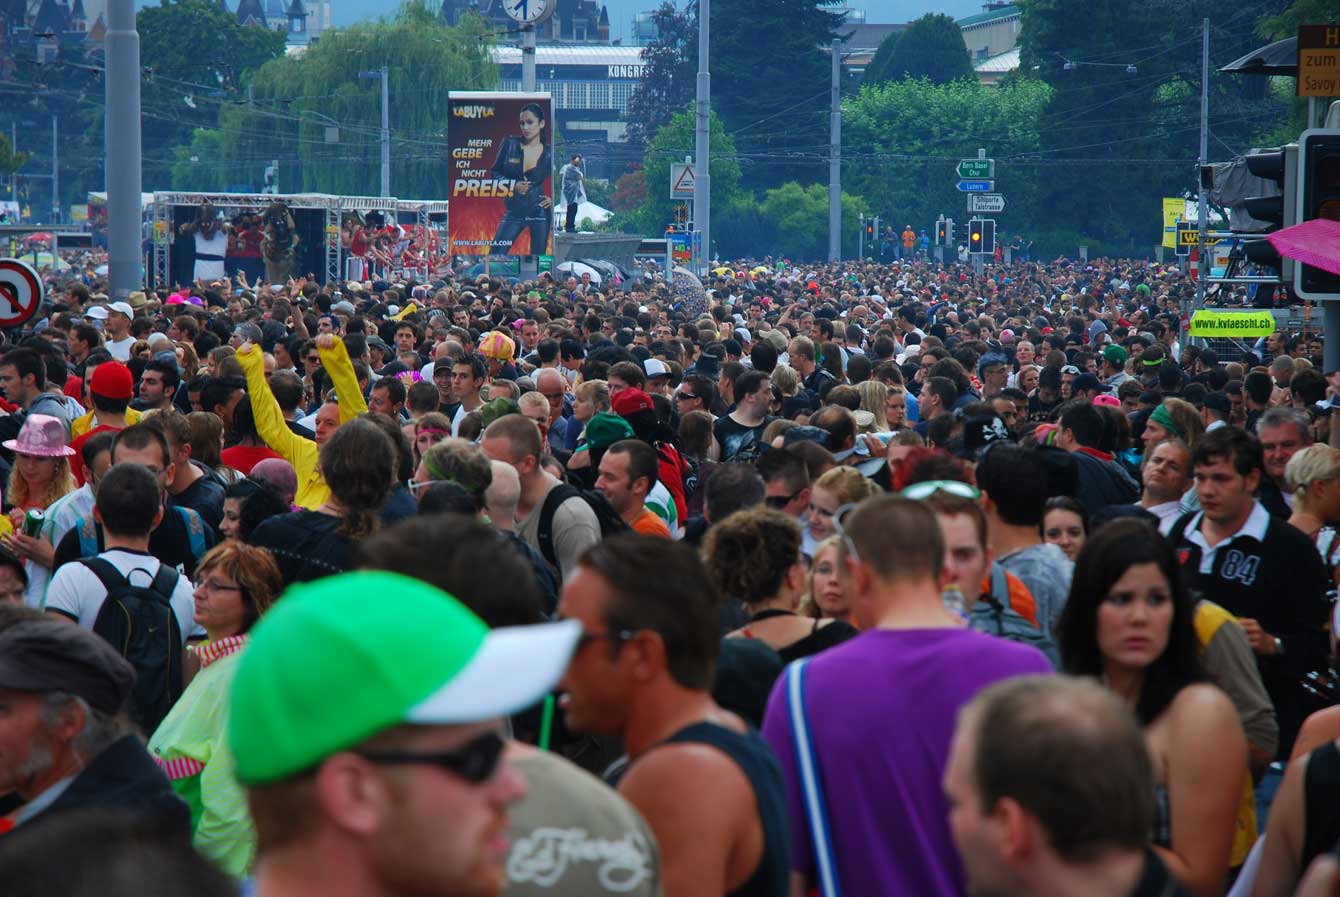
(1107, 400)
(42, 436)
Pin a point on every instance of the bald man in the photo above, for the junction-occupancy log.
(563, 427)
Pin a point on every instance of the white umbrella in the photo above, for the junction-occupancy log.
(585, 210)
(577, 269)
(101, 270)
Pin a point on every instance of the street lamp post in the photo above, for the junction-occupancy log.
(122, 126)
(384, 74)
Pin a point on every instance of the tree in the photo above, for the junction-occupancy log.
(904, 138)
(931, 47)
(296, 99)
(197, 57)
(671, 144)
(770, 85)
(669, 71)
(799, 218)
(10, 161)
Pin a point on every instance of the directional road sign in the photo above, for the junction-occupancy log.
(986, 202)
(20, 292)
(976, 186)
(976, 169)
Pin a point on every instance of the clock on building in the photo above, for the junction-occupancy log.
(529, 12)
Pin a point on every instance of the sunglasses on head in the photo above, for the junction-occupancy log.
(475, 761)
(924, 490)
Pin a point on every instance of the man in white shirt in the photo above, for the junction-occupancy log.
(118, 339)
(129, 505)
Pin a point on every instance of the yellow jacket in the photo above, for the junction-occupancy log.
(298, 450)
(81, 425)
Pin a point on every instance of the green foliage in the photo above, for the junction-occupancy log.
(770, 84)
(671, 144)
(931, 47)
(10, 161)
(669, 73)
(799, 217)
(1301, 12)
(194, 53)
(905, 137)
(296, 98)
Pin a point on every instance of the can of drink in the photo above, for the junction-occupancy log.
(32, 522)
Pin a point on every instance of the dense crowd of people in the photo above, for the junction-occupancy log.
(884, 579)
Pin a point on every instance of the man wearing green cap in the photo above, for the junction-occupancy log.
(366, 730)
(1113, 368)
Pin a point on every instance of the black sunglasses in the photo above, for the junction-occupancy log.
(777, 502)
(475, 761)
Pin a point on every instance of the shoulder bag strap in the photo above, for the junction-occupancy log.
(811, 789)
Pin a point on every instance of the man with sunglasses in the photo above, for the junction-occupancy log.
(644, 668)
(398, 788)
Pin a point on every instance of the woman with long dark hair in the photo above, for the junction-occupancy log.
(528, 162)
(1129, 621)
(358, 461)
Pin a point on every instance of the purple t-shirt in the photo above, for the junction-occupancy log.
(882, 709)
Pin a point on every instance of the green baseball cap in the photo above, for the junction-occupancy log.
(345, 657)
(603, 430)
(1115, 355)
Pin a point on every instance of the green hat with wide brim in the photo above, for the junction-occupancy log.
(343, 658)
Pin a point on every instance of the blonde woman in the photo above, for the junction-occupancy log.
(1313, 476)
(41, 472)
(839, 486)
(786, 379)
(874, 394)
(825, 592)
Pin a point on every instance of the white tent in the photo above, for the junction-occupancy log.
(597, 214)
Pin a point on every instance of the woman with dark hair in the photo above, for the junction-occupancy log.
(528, 162)
(358, 462)
(1065, 524)
(1129, 621)
(754, 557)
(235, 586)
(245, 504)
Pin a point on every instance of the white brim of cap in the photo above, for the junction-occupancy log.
(514, 668)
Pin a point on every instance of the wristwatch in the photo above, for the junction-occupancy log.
(1279, 647)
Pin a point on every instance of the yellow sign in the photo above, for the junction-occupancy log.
(1173, 209)
(1318, 60)
(1206, 323)
(1191, 237)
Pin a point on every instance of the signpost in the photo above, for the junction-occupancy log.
(20, 292)
(682, 180)
(976, 186)
(986, 202)
(1189, 236)
(976, 169)
(1318, 61)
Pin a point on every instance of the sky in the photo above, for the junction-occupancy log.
(621, 12)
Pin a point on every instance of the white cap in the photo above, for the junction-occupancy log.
(122, 308)
(655, 368)
(97, 313)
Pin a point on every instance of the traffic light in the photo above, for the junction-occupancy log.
(942, 233)
(1278, 210)
(1318, 197)
(989, 236)
(975, 229)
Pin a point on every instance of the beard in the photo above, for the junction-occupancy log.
(40, 759)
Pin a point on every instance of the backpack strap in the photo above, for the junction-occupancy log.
(1000, 584)
(1179, 528)
(88, 537)
(106, 571)
(811, 789)
(545, 532)
(195, 530)
(165, 582)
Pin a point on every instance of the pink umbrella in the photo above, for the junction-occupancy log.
(34, 238)
(1315, 243)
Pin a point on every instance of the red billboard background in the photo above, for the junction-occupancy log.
(489, 148)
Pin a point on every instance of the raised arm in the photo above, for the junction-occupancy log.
(270, 421)
(340, 369)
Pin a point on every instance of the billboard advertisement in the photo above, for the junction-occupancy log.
(501, 147)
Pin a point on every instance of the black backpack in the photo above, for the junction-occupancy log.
(141, 625)
(611, 524)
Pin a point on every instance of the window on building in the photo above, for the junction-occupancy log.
(620, 93)
(598, 95)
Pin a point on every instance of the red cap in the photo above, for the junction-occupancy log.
(631, 401)
(112, 380)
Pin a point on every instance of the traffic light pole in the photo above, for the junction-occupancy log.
(835, 158)
(1202, 205)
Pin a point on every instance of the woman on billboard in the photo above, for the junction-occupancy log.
(528, 162)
